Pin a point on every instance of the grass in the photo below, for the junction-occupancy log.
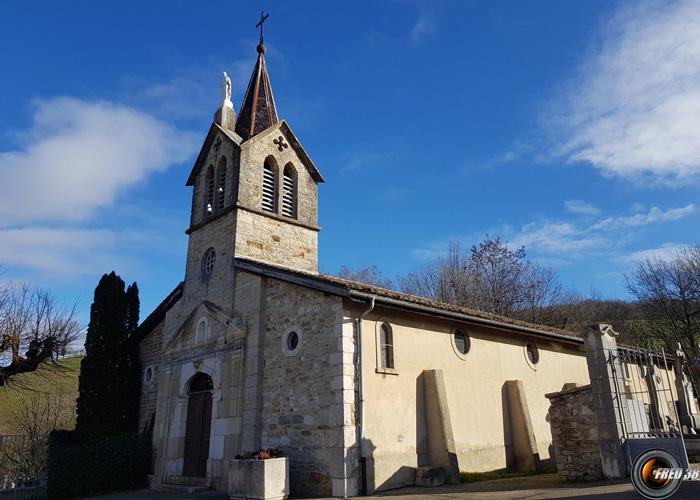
(476, 477)
(49, 378)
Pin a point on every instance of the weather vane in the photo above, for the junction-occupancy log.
(263, 17)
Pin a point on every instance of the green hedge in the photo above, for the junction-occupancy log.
(79, 468)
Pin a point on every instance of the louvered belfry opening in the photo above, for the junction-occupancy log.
(289, 192)
(209, 194)
(221, 185)
(269, 186)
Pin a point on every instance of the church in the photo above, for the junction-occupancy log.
(362, 388)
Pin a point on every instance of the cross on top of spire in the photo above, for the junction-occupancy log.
(258, 111)
(263, 18)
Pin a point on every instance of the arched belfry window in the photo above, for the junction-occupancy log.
(209, 192)
(386, 345)
(269, 185)
(289, 192)
(221, 184)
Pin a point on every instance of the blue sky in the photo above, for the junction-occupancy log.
(569, 127)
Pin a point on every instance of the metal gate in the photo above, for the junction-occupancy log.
(645, 397)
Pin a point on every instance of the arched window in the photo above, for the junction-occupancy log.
(200, 382)
(208, 261)
(269, 185)
(209, 192)
(221, 184)
(289, 192)
(386, 345)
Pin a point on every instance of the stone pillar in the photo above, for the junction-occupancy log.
(605, 372)
(687, 404)
(527, 457)
(657, 406)
(250, 305)
(226, 117)
(441, 442)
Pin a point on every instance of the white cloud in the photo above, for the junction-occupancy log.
(551, 239)
(655, 214)
(633, 109)
(192, 92)
(60, 251)
(558, 239)
(79, 155)
(425, 24)
(664, 252)
(581, 207)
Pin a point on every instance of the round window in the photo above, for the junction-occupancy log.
(208, 262)
(292, 340)
(149, 374)
(533, 353)
(462, 342)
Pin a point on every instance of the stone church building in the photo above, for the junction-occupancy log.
(362, 388)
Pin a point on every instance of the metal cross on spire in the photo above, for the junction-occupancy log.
(263, 17)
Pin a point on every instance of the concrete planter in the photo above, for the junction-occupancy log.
(259, 479)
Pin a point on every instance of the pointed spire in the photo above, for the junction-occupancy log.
(258, 111)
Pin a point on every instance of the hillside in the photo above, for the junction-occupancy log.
(53, 380)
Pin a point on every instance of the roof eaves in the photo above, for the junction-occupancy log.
(215, 127)
(158, 313)
(361, 291)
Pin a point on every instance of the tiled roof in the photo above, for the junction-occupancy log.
(347, 287)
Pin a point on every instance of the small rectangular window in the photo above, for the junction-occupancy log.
(386, 342)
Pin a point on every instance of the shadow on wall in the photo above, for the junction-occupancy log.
(507, 441)
(435, 448)
(522, 454)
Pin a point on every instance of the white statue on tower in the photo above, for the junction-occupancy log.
(226, 92)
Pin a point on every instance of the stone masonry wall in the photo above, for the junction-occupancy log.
(231, 153)
(253, 154)
(269, 240)
(149, 356)
(299, 410)
(575, 434)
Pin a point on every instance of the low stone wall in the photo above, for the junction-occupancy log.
(575, 434)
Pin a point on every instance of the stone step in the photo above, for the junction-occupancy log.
(184, 484)
(189, 481)
(180, 488)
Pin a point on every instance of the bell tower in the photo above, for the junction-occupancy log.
(255, 191)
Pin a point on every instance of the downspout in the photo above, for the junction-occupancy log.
(363, 458)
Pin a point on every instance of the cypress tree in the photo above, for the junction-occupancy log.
(133, 381)
(107, 403)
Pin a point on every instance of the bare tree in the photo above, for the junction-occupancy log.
(444, 279)
(34, 328)
(489, 277)
(371, 275)
(35, 416)
(668, 293)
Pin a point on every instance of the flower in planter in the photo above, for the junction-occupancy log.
(262, 454)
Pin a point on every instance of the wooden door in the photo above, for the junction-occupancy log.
(197, 434)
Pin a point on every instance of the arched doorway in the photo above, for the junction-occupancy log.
(198, 426)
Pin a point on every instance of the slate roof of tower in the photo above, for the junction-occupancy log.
(258, 111)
